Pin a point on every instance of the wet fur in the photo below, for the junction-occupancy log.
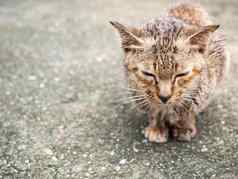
(179, 55)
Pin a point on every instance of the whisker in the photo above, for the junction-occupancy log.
(135, 96)
(184, 105)
(141, 105)
(131, 97)
(144, 104)
(130, 89)
(147, 108)
(132, 100)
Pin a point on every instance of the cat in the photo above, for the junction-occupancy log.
(173, 65)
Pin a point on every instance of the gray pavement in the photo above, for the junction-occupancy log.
(61, 79)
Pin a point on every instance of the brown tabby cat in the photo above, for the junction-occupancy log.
(173, 66)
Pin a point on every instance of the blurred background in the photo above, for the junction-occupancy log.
(61, 78)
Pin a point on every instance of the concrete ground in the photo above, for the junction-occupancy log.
(61, 79)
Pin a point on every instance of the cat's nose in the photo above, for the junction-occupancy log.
(164, 99)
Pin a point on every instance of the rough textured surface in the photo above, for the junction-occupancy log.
(61, 77)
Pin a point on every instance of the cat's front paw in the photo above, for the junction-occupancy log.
(184, 135)
(154, 134)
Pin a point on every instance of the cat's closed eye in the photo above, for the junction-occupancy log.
(180, 75)
(150, 75)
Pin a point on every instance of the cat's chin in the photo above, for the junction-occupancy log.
(159, 105)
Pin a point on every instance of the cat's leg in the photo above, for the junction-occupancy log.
(157, 131)
(185, 128)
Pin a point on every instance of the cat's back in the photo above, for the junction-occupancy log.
(190, 13)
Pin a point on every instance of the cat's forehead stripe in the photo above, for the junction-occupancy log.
(164, 32)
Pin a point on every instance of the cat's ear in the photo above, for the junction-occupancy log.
(130, 37)
(199, 39)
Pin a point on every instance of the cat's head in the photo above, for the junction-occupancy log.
(164, 59)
